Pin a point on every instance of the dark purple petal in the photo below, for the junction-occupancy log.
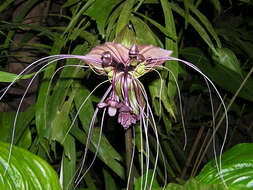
(126, 119)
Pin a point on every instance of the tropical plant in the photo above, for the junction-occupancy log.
(57, 116)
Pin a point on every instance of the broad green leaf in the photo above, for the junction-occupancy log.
(143, 33)
(55, 107)
(237, 168)
(234, 37)
(228, 59)
(192, 184)
(25, 171)
(61, 122)
(223, 76)
(100, 11)
(124, 17)
(23, 121)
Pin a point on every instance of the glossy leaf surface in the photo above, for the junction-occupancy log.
(26, 171)
(237, 168)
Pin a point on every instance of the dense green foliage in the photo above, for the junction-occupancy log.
(214, 35)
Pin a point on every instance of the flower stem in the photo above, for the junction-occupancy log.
(129, 152)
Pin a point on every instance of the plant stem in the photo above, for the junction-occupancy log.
(129, 152)
(194, 148)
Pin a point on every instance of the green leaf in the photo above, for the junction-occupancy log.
(171, 45)
(70, 3)
(223, 76)
(26, 170)
(68, 165)
(9, 77)
(90, 182)
(109, 181)
(143, 33)
(228, 59)
(159, 26)
(237, 168)
(125, 15)
(110, 30)
(187, 12)
(137, 185)
(42, 129)
(5, 4)
(26, 139)
(76, 16)
(44, 31)
(217, 5)
(23, 121)
(206, 23)
(195, 24)
(158, 93)
(100, 11)
(194, 185)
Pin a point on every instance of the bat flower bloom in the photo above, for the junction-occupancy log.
(124, 66)
(126, 97)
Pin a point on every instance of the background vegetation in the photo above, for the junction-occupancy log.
(215, 35)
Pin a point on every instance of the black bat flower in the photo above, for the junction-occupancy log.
(126, 97)
(124, 66)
